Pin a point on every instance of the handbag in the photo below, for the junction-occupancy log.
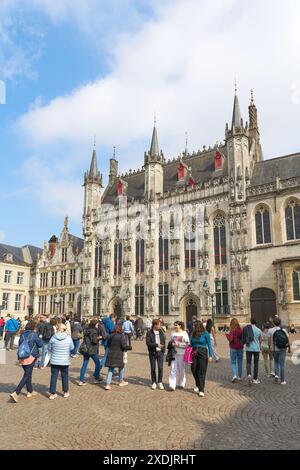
(83, 349)
(187, 357)
(27, 361)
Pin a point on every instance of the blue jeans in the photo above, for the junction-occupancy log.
(236, 358)
(64, 370)
(279, 359)
(86, 359)
(110, 374)
(76, 346)
(103, 360)
(26, 379)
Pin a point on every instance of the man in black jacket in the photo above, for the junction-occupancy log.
(45, 331)
(156, 342)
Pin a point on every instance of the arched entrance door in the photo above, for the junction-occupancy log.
(190, 306)
(263, 305)
(116, 307)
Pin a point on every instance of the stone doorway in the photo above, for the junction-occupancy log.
(263, 305)
(190, 306)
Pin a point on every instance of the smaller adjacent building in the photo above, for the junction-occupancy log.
(16, 268)
(58, 277)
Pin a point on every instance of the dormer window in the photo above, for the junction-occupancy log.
(9, 257)
(218, 160)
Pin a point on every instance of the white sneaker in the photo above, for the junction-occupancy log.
(82, 384)
(161, 386)
(196, 389)
(201, 394)
(283, 383)
(256, 382)
(276, 379)
(154, 386)
(234, 379)
(249, 379)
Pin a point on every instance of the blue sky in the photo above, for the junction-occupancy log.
(78, 68)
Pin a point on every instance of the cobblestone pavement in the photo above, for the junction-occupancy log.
(230, 416)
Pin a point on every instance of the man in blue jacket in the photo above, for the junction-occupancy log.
(109, 324)
(11, 328)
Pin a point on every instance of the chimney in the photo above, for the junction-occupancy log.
(52, 245)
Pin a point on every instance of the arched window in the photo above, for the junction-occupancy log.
(262, 226)
(292, 220)
(139, 256)
(118, 259)
(190, 245)
(296, 283)
(220, 239)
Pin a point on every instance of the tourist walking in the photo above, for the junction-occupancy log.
(156, 343)
(213, 338)
(2, 324)
(201, 344)
(190, 325)
(117, 346)
(60, 347)
(76, 335)
(29, 344)
(279, 343)
(252, 337)
(90, 350)
(148, 323)
(235, 338)
(45, 331)
(139, 327)
(267, 353)
(109, 325)
(128, 330)
(11, 328)
(179, 340)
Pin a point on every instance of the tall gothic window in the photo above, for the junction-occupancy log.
(96, 301)
(118, 259)
(189, 250)
(220, 239)
(139, 300)
(262, 226)
(140, 256)
(292, 220)
(163, 299)
(163, 254)
(222, 307)
(296, 284)
(98, 261)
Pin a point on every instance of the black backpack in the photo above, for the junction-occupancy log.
(280, 339)
(48, 332)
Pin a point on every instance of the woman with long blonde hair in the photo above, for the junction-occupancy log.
(234, 337)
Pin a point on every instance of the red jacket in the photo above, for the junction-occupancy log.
(235, 338)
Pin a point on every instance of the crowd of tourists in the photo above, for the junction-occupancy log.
(55, 341)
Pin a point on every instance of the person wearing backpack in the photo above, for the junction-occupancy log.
(252, 337)
(28, 352)
(45, 331)
(90, 350)
(11, 328)
(279, 343)
(76, 335)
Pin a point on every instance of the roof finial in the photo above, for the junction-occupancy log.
(94, 141)
(252, 97)
(235, 87)
(186, 143)
(114, 152)
(155, 119)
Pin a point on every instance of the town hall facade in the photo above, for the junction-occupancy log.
(213, 233)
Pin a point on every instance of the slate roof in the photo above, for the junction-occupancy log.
(77, 242)
(203, 169)
(286, 167)
(18, 255)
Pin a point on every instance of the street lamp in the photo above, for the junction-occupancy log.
(212, 297)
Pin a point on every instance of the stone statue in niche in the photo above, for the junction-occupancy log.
(241, 296)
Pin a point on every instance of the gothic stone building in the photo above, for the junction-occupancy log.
(212, 233)
(58, 275)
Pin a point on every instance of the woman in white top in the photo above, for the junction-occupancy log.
(180, 340)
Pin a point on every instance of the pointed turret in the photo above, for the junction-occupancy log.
(154, 149)
(253, 119)
(254, 134)
(236, 117)
(93, 176)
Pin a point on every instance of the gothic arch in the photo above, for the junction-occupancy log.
(115, 305)
(189, 306)
(263, 206)
(285, 205)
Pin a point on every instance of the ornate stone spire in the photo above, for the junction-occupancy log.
(253, 120)
(236, 116)
(154, 149)
(93, 176)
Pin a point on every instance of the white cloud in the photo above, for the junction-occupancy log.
(2, 236)
(182, 65)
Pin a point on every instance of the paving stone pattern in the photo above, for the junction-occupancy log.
(230, 416)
